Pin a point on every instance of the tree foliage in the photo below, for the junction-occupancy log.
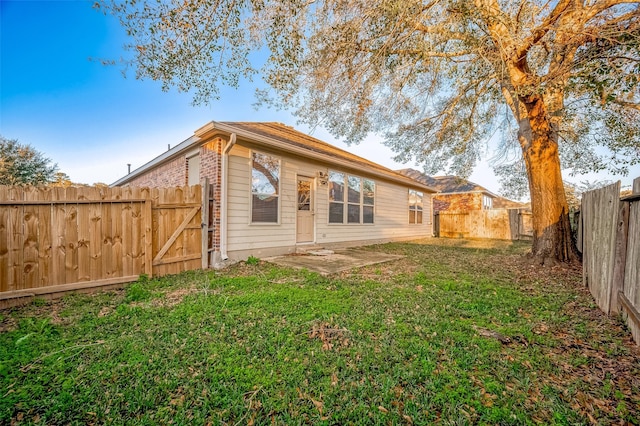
(435, 77)
(557, 80)
(23, 165)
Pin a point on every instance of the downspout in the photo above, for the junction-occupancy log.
(223, 196)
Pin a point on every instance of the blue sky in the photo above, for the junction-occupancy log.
(91, 120)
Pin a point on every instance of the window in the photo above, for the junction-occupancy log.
(368, 196)
(353, 209)
(487, 202)
(356, 204)
(265, 188)
(415, 207)
(336, 197)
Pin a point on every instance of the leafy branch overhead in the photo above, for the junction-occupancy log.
(558, 80)
(438, 78)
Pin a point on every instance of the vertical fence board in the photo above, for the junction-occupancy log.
(71, 242)
(107, 241)
(16, 252)
(632, 270)
(30, 262)
(193, 243)
(136, 243)
(116, 239)
(148, 238)
(96, 268)
(44, 240)
(4, 247)
(58, 244)
(84, 242)
(127, 239)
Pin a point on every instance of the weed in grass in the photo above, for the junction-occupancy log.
(253, 261)
(137, 292)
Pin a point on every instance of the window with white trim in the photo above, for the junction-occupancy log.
(265, 188)
(415, 207)
(351, 199)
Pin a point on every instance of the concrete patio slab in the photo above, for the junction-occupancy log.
(340, 260)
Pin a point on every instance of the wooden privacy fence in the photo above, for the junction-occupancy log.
(503, 224)
(60, 239)
(609, 239)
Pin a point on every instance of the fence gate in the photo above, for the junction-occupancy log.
(176, 229)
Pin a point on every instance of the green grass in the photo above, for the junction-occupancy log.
(397, 343)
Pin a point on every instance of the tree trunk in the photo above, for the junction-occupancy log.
(551, 231)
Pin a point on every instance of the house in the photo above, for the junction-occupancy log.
(463, 209)
(460, 195)
(277, 189)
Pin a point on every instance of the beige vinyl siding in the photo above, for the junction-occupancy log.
(242, 235)
(391, 211)
(391, 218)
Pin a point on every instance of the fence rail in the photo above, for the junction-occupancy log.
(610, 244)
(60, 239)
(503, 224)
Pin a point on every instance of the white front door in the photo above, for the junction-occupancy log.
(304, 219)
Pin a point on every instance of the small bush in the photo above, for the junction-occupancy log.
(252, 260)
(137, 292)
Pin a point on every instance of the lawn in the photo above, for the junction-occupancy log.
(450, 334)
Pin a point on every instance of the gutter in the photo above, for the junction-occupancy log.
(223, 196)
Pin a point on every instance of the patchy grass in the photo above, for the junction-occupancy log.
(452, 333)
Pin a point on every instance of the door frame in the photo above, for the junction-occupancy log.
(312, 206)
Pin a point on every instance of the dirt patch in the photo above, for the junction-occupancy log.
(8, 324)
(331, 336)
(175, 297)
(339, 261)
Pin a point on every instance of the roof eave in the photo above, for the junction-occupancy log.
(162, 158)
(213, 127)
(267, 141)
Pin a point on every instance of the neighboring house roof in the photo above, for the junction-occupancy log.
(457, 185)
(279, 136)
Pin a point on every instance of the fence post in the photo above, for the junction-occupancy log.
(436, 224)
(205, 224)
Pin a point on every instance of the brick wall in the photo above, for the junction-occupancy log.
(170, 174)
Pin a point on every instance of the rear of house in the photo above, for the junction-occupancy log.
(276, 189)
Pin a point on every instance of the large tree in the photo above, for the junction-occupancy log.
(558, 79)
(22, 164)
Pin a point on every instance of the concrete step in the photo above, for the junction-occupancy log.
(313, 250)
